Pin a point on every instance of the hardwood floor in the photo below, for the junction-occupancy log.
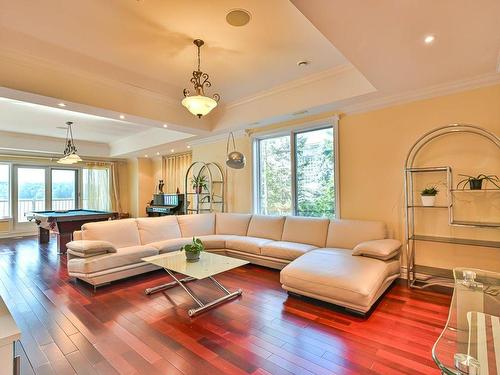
(67, 329)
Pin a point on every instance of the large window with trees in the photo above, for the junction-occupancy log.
(295, 173)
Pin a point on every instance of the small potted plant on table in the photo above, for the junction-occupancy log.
(476, 183)
(193, 250)
(428, 196)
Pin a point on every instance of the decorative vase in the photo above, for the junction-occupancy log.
(428, 200)
(476, 184)
(192, 256)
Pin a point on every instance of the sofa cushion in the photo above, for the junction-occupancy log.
(308, 230)
(246, 244)
(175, 244)
(285, 250)
(123, 257)
(378, 249)
(348, 233)
(90, 247)
(215, 241)
(227, 223)
(196, 225)
(153, 229)
(336, 275)
(262, 226)
(121, 233)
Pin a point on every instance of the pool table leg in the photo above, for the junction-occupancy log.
(43, 235)
(62, 240)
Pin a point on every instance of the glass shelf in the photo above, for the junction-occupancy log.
(464, 223)
(420, 206)
(475, 191)
(457, 241)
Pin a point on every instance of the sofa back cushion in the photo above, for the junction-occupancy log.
(308, 230)
(121, 233)
(346, 234)
(227, 223)
(196, 225)
(263, 226)
(154, 229)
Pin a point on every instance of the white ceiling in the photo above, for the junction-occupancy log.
(149, 43)
(123, 137)
(384, 39)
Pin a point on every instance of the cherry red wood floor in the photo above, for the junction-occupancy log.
(68, 329)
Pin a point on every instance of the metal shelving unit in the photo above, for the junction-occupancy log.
(429, 275)
(211, 200)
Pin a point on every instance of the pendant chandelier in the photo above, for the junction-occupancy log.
(199, 104)
(70, 155)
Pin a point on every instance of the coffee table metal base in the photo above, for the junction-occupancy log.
(202, 306)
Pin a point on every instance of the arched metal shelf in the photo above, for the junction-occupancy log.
(210, 200)
(410, 236)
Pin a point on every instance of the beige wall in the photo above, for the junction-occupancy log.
(373, 146)
(142, 181)
(238, 181)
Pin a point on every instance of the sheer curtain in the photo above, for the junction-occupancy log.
(96, 187)
(174, 171)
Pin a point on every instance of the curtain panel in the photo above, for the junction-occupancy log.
(174, 170)
(100, 185)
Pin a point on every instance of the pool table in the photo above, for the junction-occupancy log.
(63, 223)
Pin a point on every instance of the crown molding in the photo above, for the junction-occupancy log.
(422, 94)
(337, 70)
(217, 138)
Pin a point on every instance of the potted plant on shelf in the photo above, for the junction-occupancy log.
(193, 250)
(476, 183)
(199, 183)
(428, 196)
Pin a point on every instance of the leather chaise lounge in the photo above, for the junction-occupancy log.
(345, 262)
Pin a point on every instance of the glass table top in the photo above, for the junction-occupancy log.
(470, 341)
(209, 264)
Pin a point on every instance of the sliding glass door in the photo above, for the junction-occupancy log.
(31, 189)
(64, 189)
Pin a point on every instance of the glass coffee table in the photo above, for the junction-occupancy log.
(208, 266)
(470, 341)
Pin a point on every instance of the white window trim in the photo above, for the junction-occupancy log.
(291, 131)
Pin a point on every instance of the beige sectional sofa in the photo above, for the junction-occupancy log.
(320, 258)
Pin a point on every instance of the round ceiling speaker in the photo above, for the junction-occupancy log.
(235, 160)
(238, 17)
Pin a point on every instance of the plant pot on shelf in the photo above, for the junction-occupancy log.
(428, 200)
(476, 184)
(199, 189)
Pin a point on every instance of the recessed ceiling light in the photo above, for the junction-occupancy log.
(122, 117)
(61, 104)
(157, 153)
(146, 156)
(165, 125)
(188, 146)
(429, 39)
(238, 17)
(299, 113)
(303, 63)
(172, 150)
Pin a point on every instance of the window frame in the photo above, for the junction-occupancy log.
(9, 188)
(292, 132)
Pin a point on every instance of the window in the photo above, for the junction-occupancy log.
(4, 190)
(96, 189)
(31, 194)
(295, 173)
(63, 189)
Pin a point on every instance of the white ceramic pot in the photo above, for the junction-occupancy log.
(428, 200)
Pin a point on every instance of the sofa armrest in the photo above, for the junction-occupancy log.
(87, 248)
(379, 249)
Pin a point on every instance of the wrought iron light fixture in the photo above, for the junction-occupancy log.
(199, 104)
(70, 155)
(234, 159)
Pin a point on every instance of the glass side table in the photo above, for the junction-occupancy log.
(470, 341)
